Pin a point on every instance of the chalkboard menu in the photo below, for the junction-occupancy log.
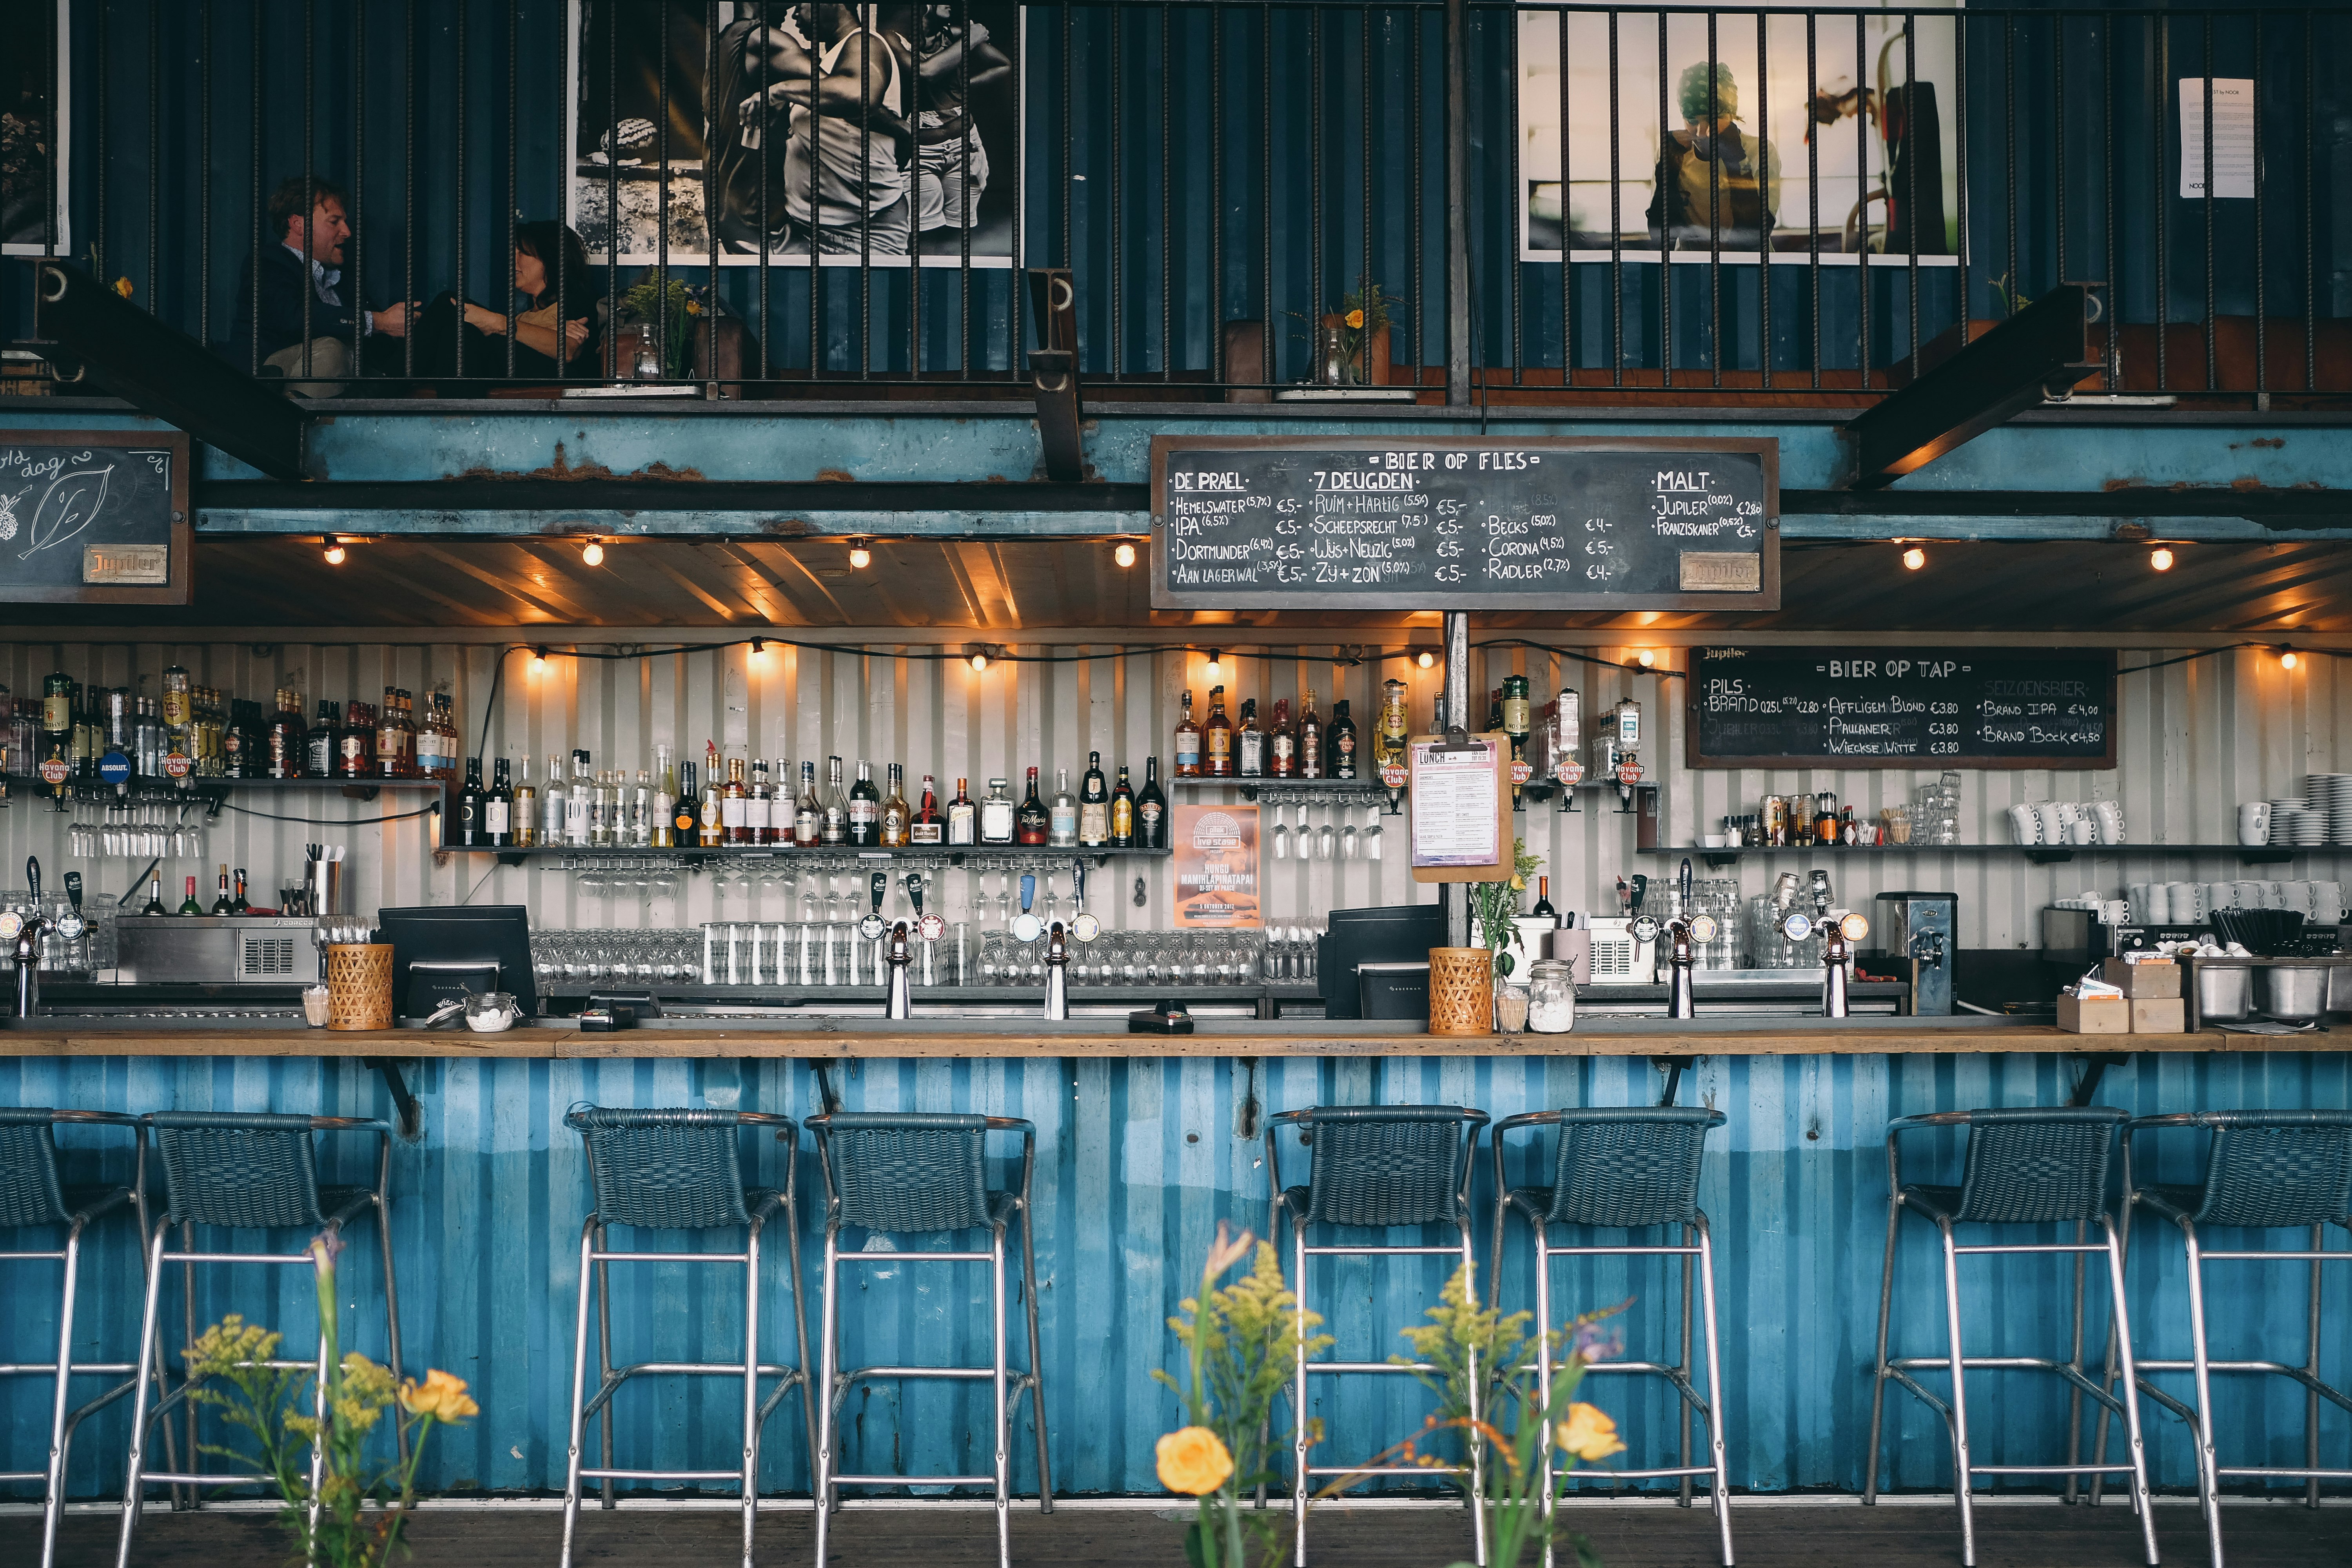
(94, 517)
(1403, 524)
(1901, 707)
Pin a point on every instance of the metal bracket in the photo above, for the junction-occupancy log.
(1054, 373)
(411, 1115)
(1673, 1068)
(2095, 1067)
(827, 1098)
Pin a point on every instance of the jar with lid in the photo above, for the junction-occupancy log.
(1551, 996)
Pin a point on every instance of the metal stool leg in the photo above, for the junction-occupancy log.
(2141, 1501)
(1959, 1397)
(1003, 1467)
(579, 1387)
(1683, 1419)
(1298, 1400)
(800, 1327)
(1543, 1375)
(148, 1361)
(53, 1495)
(2201, 1431)
(605, 1357)
(2311, 1370)
(1714, 1390)
(1878, 1377)
(2074, 1360)
(1037, 1365)
(751, 1385)
(390, 1294)
(1477, 1450)
(827, 1355)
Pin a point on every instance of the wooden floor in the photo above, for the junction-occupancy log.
(1777, 1537)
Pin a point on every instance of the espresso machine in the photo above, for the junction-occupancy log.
(1919, 935)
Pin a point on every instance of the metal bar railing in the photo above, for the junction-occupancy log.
(922, 162)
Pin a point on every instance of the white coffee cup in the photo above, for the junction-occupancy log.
(2025, 825)
(2254, 822)
(2081, 830)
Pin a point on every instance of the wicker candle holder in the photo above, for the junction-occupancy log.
(358, 986)
(1461, 991)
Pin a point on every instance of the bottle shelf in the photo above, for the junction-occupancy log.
(947, 854)
(2039, 854)
(1360, 789)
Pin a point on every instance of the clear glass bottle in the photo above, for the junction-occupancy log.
(711, 825)
(579, 802)
(641, 812)
(1062, 818)
(664, 830)
(1188, 743)
(833, 826)
(995, 815)
(525, 805)
(808, 812)
(963, 817)
(893, 823)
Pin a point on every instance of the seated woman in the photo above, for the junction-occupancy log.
(545, 348)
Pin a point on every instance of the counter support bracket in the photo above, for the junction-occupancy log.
(411, 1115)
(1673, 1068)
(2095, 1068)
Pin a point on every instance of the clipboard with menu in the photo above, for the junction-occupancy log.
(1460, 822)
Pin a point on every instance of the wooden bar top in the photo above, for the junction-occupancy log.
(849, 1038)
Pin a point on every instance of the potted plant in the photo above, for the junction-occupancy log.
(1364, 318)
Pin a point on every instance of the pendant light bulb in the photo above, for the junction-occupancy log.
(538, 660)
(1217, 663)
(1914, 558)
(1646, 659)
(860, 555)
(979, 661)
(758, 647)
(592, 552)
(2287, 659)
(2160, 559)
(1424, 659)
(1124, 555)
(335, 549)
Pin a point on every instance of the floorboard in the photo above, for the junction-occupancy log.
(1909, 1536)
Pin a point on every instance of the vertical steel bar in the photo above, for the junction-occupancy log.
(866, 38)
(1862, 195)
(354, 278)
(408, 182)
(1265, 187)
(514, 192)
(310, 170)
(154, 152)
(1217, 192)
(1714, 233)
(105, 77)
(2261, 278)
(1911, 171)
(1118, 191)
(2310, 234)
(1813, 191)
(566, 156)
(1069, 131)
(710, 213)
(767, 234)
(2114, 318)
(815, 254)
(1417, 235)
(204, 173)
(1017, 228)
(2212, 367)
(2160, 90)
(1960, 158)
(1315, 258)
(1518, 199)
(612, 177)
(1364, 167)
(1167, 232)
(53, 59)
(2058, 140)
(1767, 219)
(458, 191)
(1567, 249)
(911, 97)
(969, 205)
(1457, 203)
(1665, 228)
(1616, 223)
(2014, 284)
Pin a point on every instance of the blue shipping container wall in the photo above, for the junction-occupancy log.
(1137, 1163)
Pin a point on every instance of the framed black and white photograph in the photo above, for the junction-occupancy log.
(34, 123)
(855, 131)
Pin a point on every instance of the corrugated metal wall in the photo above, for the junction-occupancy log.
(2196, 738)
(1138, 1161)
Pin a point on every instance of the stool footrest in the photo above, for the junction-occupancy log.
(912, 1481)
(2048, 1469)
(1012, 1379)
(158, 1478)
(78, 1369)
(1387, 1469)
(1454, 1252)
(586, 1475)
(1572, 1473)
(1355, 1366)
(2316, 1474)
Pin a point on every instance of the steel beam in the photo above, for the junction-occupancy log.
(2040, 353)
(1054, 373)
(166, 373)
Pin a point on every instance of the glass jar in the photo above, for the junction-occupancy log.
(1510, 1009)
(1551, 996)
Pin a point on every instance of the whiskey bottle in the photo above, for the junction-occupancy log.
(758, 804)
(1151, 810)
(1122, 812)
(1310, 739)
(1094, 805)
(1188, 743)
(1217, 739)
(1340, 741)
(318, 746)
(1249, 743)
(895, 815)
(1282, 743)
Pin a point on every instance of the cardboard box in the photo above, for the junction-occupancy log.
(2158, 1014)
(2100, 1016)
(2159, 980)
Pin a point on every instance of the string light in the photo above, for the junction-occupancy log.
(335, 549)
(1646, 659)
(592, 552)
(1124, 555)
(1915, 558)
(2160, 559)
(758, 647)
(980, 659)
(2287, 659)
(1424, 659)
(1217, 663)
(538, 660)
(861, 555)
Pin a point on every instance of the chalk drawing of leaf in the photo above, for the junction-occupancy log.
(71, 505)
(8, 515)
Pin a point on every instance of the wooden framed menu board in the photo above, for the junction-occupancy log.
(1901, 707)
(94, 517)
(1402, 523)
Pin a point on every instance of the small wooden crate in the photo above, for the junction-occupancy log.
(358, 986)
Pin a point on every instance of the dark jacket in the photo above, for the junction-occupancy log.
(285, 282)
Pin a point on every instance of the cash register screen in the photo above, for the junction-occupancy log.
(1397, 933)
(491, 939)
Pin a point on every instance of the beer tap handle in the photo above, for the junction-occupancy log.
(32, 879)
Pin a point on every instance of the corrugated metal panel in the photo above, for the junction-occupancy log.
(1137, 1163)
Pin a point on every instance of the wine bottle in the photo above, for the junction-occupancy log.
(497, 807)
(221, 904)
(865, 807)
(237, 904)
(1151, 809)
(155, 896)
(188, 906)
(470, 801)
(525, 816)
(1543, 910)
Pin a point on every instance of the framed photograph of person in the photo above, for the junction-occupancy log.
(849, 132)
(1743, 152)
(35, 141)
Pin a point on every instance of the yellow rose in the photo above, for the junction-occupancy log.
(1589, 1433)
(1192, 1460)
(1356, 320)
(440, 1395)
(123, 286)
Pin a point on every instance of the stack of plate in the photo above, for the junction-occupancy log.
(2331, 792)
(2294, 823)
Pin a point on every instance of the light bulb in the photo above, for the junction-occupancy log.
(538, 660)
(1424, 659)
(1646, 659)
(2288, 660)
(1915, 558)
(1124, 555)
(335, 551)
(758, 647)
(2160, 559)
(593, 554)
(860, 556)
(979, 661)
(1217, 663)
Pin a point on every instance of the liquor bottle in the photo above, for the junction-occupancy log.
(1122, 812)
(284, 735)
(1217, 739)
(221, 903)
(237, 903)
(1310, 739)
(781, 802)
(833, 826)
(1188, 743)
(470, 833)
(604, 810)
(963, 819)
(664, 798)
(525, 805)
(1094, 805)
(147, 742)
(686, 815)
(1151, 810)
(865, 807)
(1340, 741)
(1518, 720)
(927, 826)
(1543, 910)
(808, 813)
(188, 906)
(497, 807)
(710, 823)
(1249, 743)
(1282, 743)
(758, 805)
(179, 704)
(735, 805)
(155, 896)
(893, 822)
(395, 741)
(318, 753)
(1031, 825)
(1062, 821)
(641, 812)
(355, 742)
(995, 815)
(552, 804)
(246, 742)
(1395, 729)
(579, 803)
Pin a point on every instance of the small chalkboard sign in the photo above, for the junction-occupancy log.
(1401, 522)
(94, 517)
(1901, 707)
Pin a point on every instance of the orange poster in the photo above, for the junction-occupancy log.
(1216, 866)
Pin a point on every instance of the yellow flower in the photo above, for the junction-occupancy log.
(440, 1395)
(1518, 884)
(1589, 1433)
(1228, 1249)
(1356, 320)
(1192, 1460)
(123, 286)
(694, 307)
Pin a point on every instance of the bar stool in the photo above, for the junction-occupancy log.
(1630, 1169)
(678, 1170)
(2025, 1165)
(2265, 1169)
(906, 1174)
(1373, 1167)
(246, 1171)
(32, 1193)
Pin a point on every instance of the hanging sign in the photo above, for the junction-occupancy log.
(94, 517)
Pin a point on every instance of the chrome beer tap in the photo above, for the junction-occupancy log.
(898, 953)
(1057, 970)
(1685, 935)
(25, 935)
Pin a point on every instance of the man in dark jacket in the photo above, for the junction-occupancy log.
(304, 300)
